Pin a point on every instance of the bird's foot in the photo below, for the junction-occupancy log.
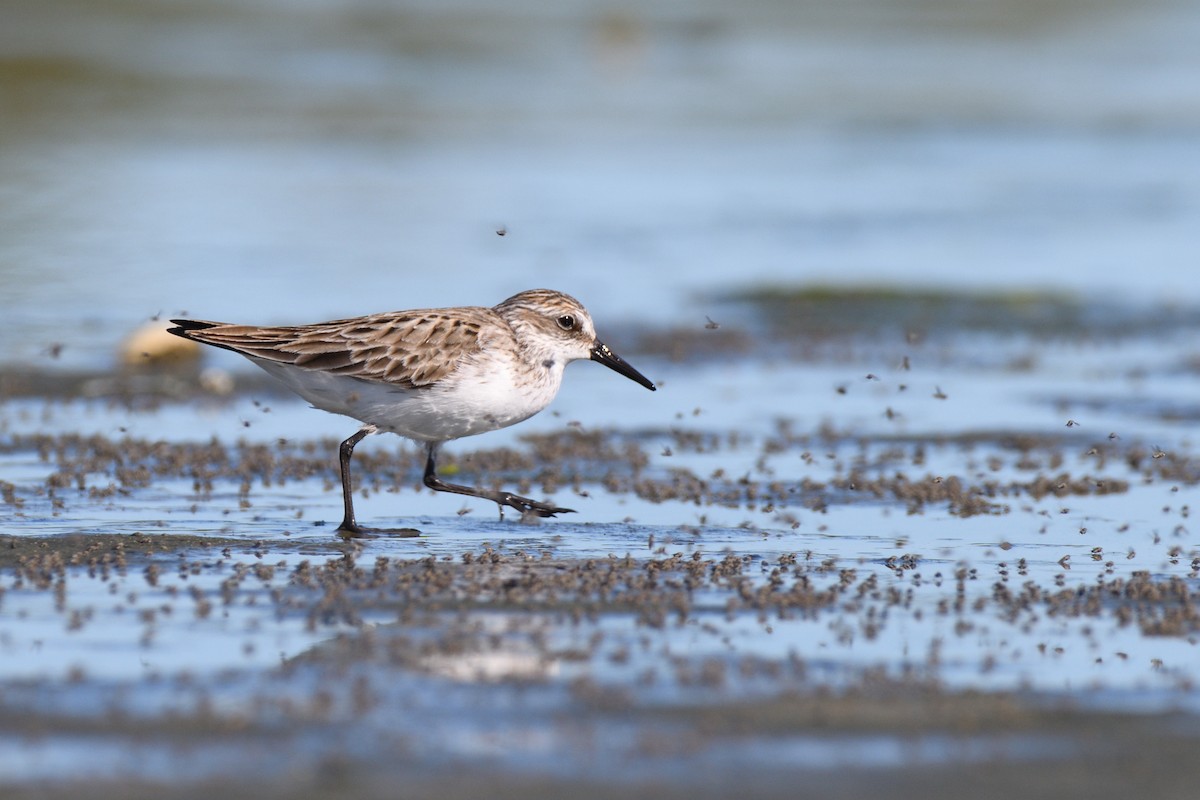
(355, 531)
(530, 508)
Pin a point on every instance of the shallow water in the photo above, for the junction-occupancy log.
(913, 530)
(278, 163)
(1027, 592)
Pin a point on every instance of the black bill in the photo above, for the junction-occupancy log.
(608, 358)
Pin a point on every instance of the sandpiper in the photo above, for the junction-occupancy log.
(429, 375)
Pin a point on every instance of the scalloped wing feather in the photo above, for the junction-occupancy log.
(410, 348)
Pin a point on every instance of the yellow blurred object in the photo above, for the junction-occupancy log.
(151, 345)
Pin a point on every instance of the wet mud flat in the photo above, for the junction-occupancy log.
(922, 561)
(518, 672)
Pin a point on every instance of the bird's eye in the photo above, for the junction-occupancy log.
(566, 322)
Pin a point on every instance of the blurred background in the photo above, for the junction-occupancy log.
(277, 161)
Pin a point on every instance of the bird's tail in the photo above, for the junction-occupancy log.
(184, 327)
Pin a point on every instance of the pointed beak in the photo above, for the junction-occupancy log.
(608, 358)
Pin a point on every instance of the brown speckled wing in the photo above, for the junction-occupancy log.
(408, 348)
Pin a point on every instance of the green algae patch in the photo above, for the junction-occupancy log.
(838, 310)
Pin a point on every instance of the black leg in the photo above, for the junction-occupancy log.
(502, 499)
(344, 453)
(350, 529)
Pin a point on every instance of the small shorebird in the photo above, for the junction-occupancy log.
(430, 375)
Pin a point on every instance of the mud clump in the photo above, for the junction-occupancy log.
(100, 467)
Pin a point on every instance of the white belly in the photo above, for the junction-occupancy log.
(476, 399)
